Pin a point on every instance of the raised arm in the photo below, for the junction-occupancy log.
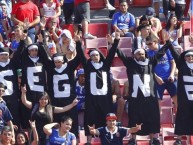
(48, 128)
(79, 50)
(24, 100)
(113, 50)
(35, 134)
(66, 108)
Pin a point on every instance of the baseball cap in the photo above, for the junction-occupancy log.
(79, 72)
(150, 12)
(111, 116)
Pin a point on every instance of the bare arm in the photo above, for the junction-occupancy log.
(15, 20)
(24, 100)
(35, 134)
(35, 22)
(58, 12)
(66, 108)
(48, 128)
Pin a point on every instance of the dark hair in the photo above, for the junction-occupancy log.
(48, 107)
(2, 85)
(168, 24)
(142, 26)
(122, 1)
(65, 118)
(144, 18)
(25, 136)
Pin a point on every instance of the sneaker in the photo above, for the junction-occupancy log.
(89, 36)
(178, 142)
(110, 7)
(132, 141)
(154, 141)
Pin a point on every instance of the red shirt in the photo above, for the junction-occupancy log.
(25, 10)
(77, 2)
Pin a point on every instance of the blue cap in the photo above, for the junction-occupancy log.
(79, 72)
(150, 12)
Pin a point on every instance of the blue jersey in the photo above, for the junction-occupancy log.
(55, 139)
(163, 68)
(5, 114)
(80, 93)
(14, 45)
(123, 21)
(115, 138)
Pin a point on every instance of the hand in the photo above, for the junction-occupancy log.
(23, 89)
(138, 127)
(43, 22)
(32, 124)
(77, 36)
(15, 127)
(92, 129)
(159, 80)
(110, 39)
(53, 28)
(57, 125)
(75, 102)
(171, 78)
(26, 23)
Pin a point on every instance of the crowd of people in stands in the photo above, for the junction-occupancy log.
(50, 86)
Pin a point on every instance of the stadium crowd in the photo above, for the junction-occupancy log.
(51, 88)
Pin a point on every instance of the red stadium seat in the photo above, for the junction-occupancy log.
(96, 43)
(119, 73)
(100, 43)
(186, 28)
(127, 51)
(98, 29)
(166, 101)
(166, 116)
(125, 42)
(97, 4)
(169, 137)
(117, 62)
(141, 3)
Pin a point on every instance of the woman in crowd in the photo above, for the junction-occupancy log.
(22, 139)
(43, 112)
(174, 30)
(61, 135)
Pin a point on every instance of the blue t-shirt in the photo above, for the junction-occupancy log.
(5, 114)
(115, 138)
(80, 93)
(163, 68)
(55, 139)
(123, 21)
(14, 45)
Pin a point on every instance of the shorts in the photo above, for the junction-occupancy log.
(171, 87)
(82, 12)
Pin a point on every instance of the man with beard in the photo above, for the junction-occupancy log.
(143, 103)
